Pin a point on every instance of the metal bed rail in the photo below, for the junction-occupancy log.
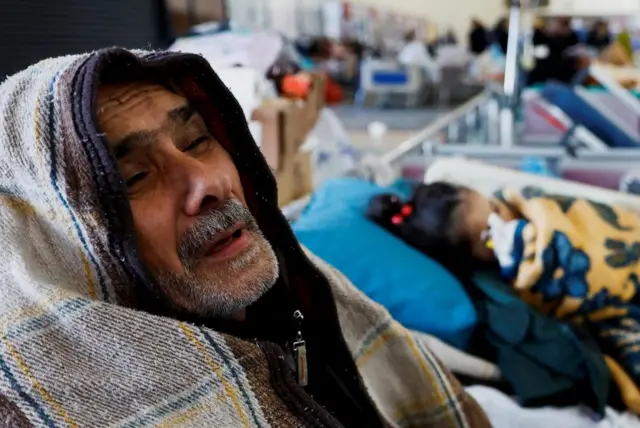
(480, 111)
(479, 118)
(558, 119)
(468, 115)
(587, 158)
(615, 88)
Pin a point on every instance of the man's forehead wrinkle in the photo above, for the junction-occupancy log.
(123, 93)
(115, 108)
(111, 104)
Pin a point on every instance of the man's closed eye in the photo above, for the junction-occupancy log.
(135, 179)
(198, 143)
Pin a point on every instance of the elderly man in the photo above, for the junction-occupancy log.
(149, 278)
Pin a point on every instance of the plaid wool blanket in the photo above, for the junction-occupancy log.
(77, 349)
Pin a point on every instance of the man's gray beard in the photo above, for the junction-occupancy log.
(230, 286)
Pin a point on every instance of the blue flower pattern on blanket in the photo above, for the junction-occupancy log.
(600, 300)
(604, 211)
(587, 269)
(574, 264)
(622, 254)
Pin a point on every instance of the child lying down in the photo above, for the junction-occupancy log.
(571, 258)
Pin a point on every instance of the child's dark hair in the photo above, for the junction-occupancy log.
(429, 221)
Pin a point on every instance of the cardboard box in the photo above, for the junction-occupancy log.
(286, 123)
(295, 179)
(285, 126)
(269, 115)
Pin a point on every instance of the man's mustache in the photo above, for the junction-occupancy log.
(209, 225)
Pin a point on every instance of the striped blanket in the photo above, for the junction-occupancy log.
(79, 349)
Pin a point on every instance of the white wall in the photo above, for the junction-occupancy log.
(454, 13)
(290, 17)
(594, 7)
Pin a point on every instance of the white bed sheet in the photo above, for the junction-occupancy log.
(504, 412)
(487, 179)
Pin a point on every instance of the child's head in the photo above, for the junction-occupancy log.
(443, 220)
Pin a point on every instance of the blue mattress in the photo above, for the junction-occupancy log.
(582, 113)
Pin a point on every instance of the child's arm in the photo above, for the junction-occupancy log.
(506, 240)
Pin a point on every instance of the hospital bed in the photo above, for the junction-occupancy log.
(382, 79)
(546, 123)
(610, 113)
(489, 178)
(583, 112)
(472, 131)
(486, 169)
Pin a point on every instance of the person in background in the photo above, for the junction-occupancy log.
(501, 34)
(599, 36)
(562, 38)
(432, 48)
(415, 53)
(624, 40)
(478, 37)
(357, 52)
(319, 50)
(564, 32)
(540, 41)
(450, 38)
(552, 42)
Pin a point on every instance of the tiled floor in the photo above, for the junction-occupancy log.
(361, 139)
(358, 119)
(401, 124)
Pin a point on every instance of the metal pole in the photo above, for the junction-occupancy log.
(511, 60)
(493, 121)
(510, 77)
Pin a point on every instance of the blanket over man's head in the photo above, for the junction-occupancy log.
(71, 275)
(82, 341)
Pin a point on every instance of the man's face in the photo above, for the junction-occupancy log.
(193, 227)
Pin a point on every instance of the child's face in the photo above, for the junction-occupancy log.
(475, 210)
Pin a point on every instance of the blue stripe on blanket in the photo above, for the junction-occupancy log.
(40, 322)
(24, 396)
(452, 402)
(54, 182)
(371, 337)
(227, 363)
(182, 402)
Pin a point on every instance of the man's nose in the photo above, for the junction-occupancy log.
(205, 187)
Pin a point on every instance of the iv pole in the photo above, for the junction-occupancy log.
(519, 41)
(512, 69)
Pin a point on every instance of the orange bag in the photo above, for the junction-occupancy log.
(296, 86)
(333, 92)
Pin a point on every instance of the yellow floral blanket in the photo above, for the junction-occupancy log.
(579, 260)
